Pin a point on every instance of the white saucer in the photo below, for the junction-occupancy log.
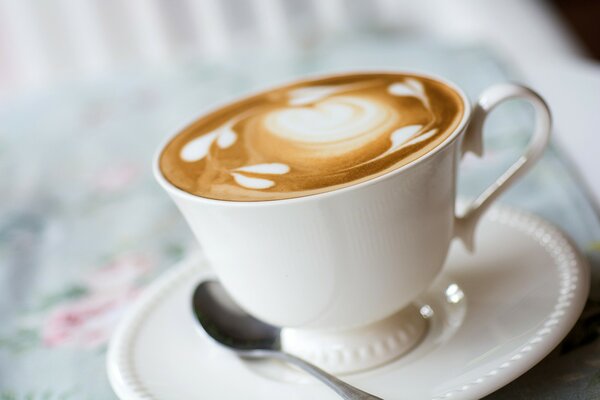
(492, 316)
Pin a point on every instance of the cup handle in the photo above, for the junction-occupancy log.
(472, 142)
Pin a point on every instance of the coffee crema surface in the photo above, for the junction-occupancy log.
(312, 136)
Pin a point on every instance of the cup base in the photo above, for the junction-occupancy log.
(358, 349)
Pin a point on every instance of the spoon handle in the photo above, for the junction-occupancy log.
(345, 390)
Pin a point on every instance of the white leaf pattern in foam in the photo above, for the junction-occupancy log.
(400, 89)
(401, 135)
(415, 85)
(421, 138)
(410, 87)
(309, 95)
(304, 96)
(197, 149)
(269, 168)
(227, 137)
(252, 183)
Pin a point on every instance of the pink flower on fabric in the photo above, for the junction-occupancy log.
(88, 322)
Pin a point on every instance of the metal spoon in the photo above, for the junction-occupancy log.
(250, 338)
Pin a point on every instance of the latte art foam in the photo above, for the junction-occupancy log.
(311, 137)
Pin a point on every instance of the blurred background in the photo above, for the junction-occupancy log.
(555, 44)
(90, 88)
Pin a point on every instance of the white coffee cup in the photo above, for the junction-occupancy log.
(337, 268)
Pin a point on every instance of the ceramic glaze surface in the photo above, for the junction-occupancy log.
(492, 315)
(364, 251)
(394, 230)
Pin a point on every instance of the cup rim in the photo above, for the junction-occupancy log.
(170, 188)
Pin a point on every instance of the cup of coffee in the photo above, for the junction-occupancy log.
(326, 205)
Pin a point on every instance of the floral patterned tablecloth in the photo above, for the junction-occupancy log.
(83, 226)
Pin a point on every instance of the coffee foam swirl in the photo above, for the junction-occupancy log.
(336, 119)
(311, 137)
(336, 128)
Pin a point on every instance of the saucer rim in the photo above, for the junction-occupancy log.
(567, 308)
(573, 296)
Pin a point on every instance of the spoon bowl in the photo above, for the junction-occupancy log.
(228, 324)
(231, 327)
